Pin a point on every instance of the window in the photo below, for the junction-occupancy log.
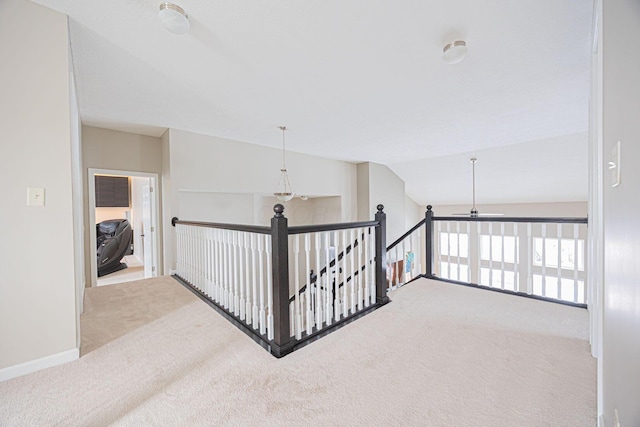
(112, 191)
(570, 290)
(568, 255)
(449, 244)
(450, 271)
(494, 278)
(491, 248)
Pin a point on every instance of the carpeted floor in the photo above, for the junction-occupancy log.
(438, 355)
(134, 271)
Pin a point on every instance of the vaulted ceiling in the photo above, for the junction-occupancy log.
(355, 80)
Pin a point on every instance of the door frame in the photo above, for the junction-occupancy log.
(155, 202)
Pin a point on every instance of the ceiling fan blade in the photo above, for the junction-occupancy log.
(477, 215)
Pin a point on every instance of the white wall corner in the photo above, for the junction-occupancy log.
(39, 364)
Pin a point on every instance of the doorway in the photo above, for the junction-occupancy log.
(141, 212)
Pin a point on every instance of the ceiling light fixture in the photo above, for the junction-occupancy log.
(284, 192)
(174, 18)
(454, 52)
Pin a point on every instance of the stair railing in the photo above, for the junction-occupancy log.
(541, 258)
(250, 273)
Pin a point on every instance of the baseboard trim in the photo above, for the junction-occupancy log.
(38, 364)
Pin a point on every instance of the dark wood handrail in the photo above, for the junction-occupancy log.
(404, 236)
(559, 220)
(300, 229)
(237, 227)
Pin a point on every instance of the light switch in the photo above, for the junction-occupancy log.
(614, 165)
(35, 196)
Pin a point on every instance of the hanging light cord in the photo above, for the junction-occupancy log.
(284, 166)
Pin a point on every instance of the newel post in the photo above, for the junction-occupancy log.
(429, 241)
(381, 257)
(280, 275)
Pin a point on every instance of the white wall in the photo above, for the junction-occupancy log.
(413, 213)
(621, 109)
(37, 301)
(207, 176)
(377, 184)
(103, 214)
(316, 210)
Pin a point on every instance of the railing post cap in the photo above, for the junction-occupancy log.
(380, 207)
(278, 209)
(429, 207)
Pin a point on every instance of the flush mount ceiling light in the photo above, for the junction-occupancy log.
(174, 18)
(284, 192)
(454, 52)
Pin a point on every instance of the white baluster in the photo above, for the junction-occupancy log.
(217, 266)
(372, 277)
(352, 260)
(247, 276)
(559, 233)
(437, 250)
(292, 315)
(336, 284)
(178, 250)
(328, 277)
(396, 269)
(270, 319)
(516, 282)
(367, 268)
(502, 255)
(529, 260)
(307, 250)
(468, 253)
(359, 265)
(544, 260)
(210, 262)
(318, 286)
(189, 255)
(296, 262)
(228, 269)
(198, 231)
(575, 262)
(236, 273)
(448, 249)
(241, 276)
(261, 312)
(458, 250)
(345, 273)
(491, 254)
(256, 261)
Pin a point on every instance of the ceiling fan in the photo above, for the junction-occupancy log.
(474, 211)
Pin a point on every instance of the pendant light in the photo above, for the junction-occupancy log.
(284, 192)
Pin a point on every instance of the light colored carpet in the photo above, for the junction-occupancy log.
(134, 271)
(438, 355)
